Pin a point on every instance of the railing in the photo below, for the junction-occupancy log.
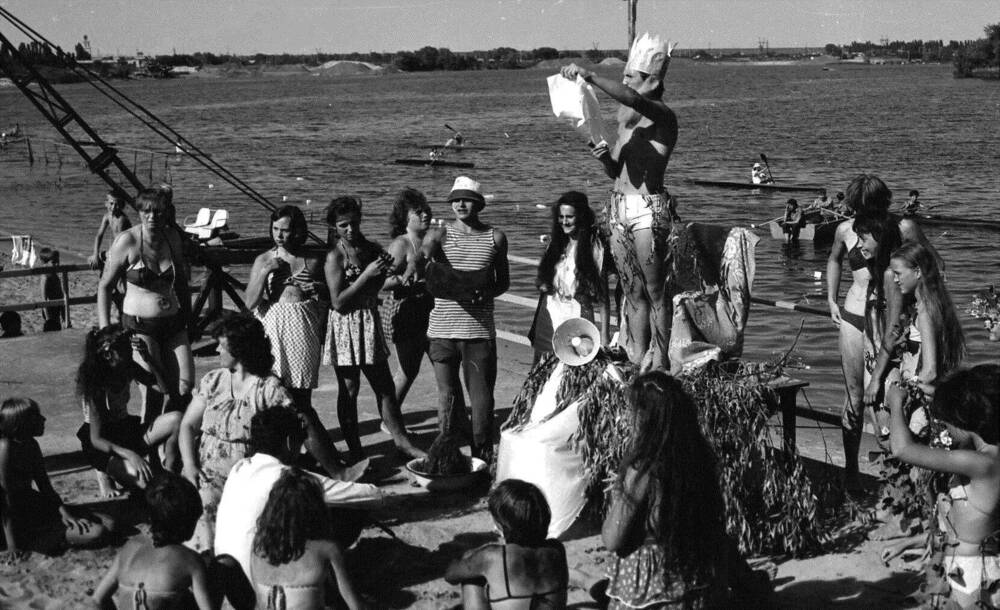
(64, 302)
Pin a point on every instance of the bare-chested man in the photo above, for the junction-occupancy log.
(639, 214)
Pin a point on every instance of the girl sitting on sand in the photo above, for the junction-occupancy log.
(572, 276)
(964, 570)
(293, 550)
(160, 573)
(525, 570)
(35, 519)
(355, 341)
(114, 442)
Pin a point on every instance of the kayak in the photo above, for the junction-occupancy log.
(811, 231)
(456, 148)
(434, 163)
(763, 187)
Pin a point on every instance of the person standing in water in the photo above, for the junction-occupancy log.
(640, 213)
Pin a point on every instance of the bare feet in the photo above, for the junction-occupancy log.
(109, 488)
(405, 448)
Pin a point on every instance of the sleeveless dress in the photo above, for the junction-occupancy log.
(643, 579)
(225, 436)
(296, 330)
(355, 338)
(566, 301)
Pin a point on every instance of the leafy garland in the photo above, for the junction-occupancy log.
(771, 505)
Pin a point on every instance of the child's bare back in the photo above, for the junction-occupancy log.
(159, 577)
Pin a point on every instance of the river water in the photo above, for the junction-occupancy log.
(306, 139)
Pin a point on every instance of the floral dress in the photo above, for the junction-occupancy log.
(225, 434)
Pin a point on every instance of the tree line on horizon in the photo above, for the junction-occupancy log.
(970, 58)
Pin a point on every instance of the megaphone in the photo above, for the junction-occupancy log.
(576, 341)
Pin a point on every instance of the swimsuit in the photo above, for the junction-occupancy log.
(289, 597)
(141, 275)
(140, 597)
(857, 261)
(160, 328)
(534, 597)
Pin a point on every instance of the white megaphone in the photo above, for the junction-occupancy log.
(576, 341)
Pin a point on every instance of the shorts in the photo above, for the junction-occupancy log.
(637, 212)
(160, 329)
(127, 432)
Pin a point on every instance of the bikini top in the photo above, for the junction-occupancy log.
(956, 506)
(301, 279)
(289, 597)
(856, 258)
(141, 275)
(138, 597)
(534, 597)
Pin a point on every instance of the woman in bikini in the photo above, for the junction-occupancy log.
(964, 567)
(867, 193)
(287, 293)
(406, 306)
(293, 550)
(157, 299)
(526, 569)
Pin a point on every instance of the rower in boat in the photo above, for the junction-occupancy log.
(760, 175)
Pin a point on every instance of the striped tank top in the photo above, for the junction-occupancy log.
(455, 320)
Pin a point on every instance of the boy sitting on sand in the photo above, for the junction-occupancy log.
(160, 572)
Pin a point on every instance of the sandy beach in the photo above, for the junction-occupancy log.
(428, 530)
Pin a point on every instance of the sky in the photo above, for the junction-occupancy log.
(340, 26)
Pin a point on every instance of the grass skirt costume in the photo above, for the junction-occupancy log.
(628, 214)
(295, 331)
(643, 579)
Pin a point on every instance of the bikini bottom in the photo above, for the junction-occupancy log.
(854, 319)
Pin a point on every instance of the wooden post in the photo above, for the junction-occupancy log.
(65, 291)
(631, 24)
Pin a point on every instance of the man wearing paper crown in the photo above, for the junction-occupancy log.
(640, 213)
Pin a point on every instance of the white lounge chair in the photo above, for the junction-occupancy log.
(199, 221)
(219, 219)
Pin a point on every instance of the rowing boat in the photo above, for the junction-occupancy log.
(815, 232)
(763, 187)
(434, 163)
(954, 221)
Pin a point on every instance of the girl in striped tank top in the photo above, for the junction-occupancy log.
(462, 331)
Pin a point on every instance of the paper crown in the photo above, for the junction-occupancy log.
(576, 341)
(649, 54)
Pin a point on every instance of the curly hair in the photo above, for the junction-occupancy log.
(933, 294)
(970, 399)
(294, 514)
(589, 282)
(408, 200)
(521, 511)
(683, 496)
(867, 192)
(174, 508)
(95, 371)
(300, 230)
(247, 342)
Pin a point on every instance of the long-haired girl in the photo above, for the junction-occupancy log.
(932, 343)
(666, 523)
(293, 549)
(572, 276)
(114, 442)
(35, 518)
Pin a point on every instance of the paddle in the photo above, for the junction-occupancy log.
(450, 127)
(763, 158)
(760, 224)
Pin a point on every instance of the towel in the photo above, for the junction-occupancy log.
(23, 252)
(575, 100)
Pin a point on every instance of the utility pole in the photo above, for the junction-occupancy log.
(631, 23)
